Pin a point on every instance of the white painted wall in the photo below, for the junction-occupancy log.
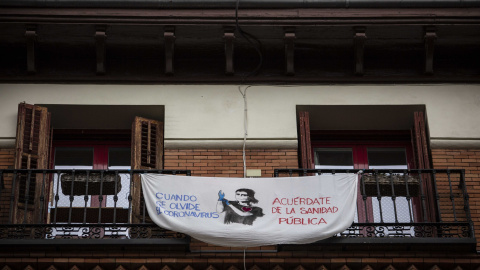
(194, 113)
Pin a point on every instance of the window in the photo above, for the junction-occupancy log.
(34, 149)
(369, 137)
(370, 155)
(90, 155)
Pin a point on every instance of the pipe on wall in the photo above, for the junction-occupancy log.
(196, 4)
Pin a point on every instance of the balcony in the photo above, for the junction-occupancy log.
(405, 207)
(64, 207)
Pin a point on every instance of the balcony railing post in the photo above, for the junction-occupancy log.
(422, 197)
(437, 196)
(364, 198)
(71, 198)
(130, 197)
(42, 198)
(379, 196)
(27, 196)
(452, 197)
(466, 203)
(100, 198)
(144, 208)
(115, 198)
(408, 197)
(85, 198)
(12, 196)
(393, 197)
(57, 198)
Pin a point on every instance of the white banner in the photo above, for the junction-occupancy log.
(246, 212)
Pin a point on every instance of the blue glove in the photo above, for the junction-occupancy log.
(221, 197)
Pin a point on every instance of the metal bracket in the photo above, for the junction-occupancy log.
(289, 53)
(229, 37)
(169, 36)
(100, 40)
(359, 44)
(31, 38)
(430, 37)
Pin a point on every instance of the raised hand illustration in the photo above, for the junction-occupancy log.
(221, 197)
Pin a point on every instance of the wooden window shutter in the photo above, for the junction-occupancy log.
(420, 142)
(32, 151)
(422, 161)
(305, 144)
(147, 153)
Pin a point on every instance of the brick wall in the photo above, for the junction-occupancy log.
(461, 159)
(6, 162)
(228, 162)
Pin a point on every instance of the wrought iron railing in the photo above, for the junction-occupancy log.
(77, 204)
(36, 206)
(405, 206)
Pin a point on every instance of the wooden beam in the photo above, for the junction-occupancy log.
(430, 37)
(31, 38)
(229, 37)
(100, 40)
(169, 36)
(275, 17)
(359, 39)
(289, 52)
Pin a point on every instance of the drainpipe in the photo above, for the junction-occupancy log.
(197, 4)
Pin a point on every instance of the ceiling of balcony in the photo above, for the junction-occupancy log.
(394, 49)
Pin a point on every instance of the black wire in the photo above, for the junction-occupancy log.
(248, 37)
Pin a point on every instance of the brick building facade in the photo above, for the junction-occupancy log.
(117, 88)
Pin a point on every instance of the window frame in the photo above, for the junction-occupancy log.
(359, 149)
(359, 142)
(100, 160)
(100, 157)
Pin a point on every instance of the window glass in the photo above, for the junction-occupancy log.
(83, 158)
(387, 158)
(119, 159)
(70, 158)
(73, 156)
(333, 158)
(119, 156)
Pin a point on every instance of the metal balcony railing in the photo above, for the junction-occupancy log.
(78, 206)
(85, 206)
(405, 206)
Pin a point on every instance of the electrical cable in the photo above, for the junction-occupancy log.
(247, 36)
(245, 127)
(258, 48)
